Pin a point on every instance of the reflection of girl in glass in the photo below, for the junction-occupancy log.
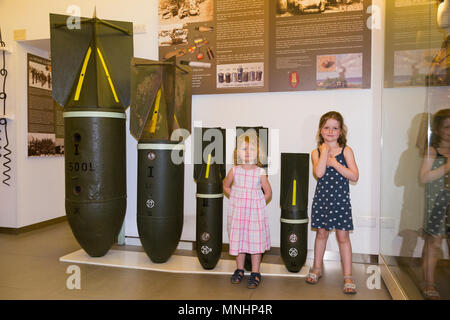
(434, 173)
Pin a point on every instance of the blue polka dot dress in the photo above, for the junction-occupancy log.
(331, 208)
(437, 203)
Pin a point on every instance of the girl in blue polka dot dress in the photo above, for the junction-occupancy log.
(334, 166)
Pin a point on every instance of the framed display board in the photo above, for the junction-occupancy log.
(45, 119)
(269, 45)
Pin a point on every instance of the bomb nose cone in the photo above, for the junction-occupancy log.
(96, 225)
(159, 236)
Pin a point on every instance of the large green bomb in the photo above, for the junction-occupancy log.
(91, 79)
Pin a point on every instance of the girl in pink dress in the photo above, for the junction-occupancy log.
(248, 227)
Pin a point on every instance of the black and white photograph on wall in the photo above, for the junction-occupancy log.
(286, 8)
(42, 144)
(45, 123)
(185, 11)
(339, 71)
(40, 75)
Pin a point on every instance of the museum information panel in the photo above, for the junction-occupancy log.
(414, 45)
(45, 119)
(269, 45)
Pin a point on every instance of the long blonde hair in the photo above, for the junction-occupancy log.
(251, 138)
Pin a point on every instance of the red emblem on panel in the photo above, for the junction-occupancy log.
(294, 79)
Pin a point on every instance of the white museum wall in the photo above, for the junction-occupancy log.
(8, 201)
(36, 183)
(38, 178)
(294, 114)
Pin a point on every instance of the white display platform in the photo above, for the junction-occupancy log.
(176, 264)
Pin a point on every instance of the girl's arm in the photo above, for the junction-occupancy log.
(426, 172)
(227, 182)
(352, 172)
(266, 187)
(320, 163)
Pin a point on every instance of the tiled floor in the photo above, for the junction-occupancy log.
(30, 269)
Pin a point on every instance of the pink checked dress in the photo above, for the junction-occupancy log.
(248, 227)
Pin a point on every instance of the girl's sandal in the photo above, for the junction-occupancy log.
(313, 278)
(237, 276)
(349, 288)
(430, 294)
(255, 279)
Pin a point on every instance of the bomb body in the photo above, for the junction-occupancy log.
(160, 199)
(95, 184)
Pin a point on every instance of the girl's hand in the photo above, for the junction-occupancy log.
(331, 161)
(227, 191)
(324, 148)
(350, 172)
(319, 162)
(227, 182)
(266, 187)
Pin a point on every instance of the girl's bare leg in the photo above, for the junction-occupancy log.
(240, 260)
(320, 245)
(430, 255)
(345, 249)
(256, 261)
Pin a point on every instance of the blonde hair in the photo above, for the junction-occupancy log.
(251, 138)
(342, 140)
